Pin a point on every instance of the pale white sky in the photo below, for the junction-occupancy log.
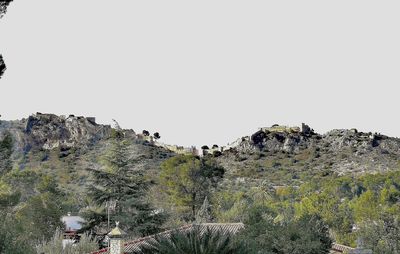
(204, 72)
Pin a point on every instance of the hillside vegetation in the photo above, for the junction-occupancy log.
(287, 177)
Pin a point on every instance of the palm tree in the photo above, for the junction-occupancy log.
(192, 241)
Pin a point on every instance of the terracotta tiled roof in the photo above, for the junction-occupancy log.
(225, 228)
(338, 248)
(134, 245)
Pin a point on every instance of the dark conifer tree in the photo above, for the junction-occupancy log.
(121, 182)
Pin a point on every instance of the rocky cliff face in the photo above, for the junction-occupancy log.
(48, 131)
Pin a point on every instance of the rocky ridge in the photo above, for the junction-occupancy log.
(283, 154)
(286, 153)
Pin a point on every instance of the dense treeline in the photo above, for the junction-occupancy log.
(355, 207)
(30, 205)
(365, 206)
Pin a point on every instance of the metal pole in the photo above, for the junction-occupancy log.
(108, 224)
(108, 217)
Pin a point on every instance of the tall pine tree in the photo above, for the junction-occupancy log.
(120, 181)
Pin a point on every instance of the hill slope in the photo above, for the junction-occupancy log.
(66, 146)
(280, 155)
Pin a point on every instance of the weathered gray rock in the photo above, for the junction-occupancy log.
(342, 151)
(49, 131)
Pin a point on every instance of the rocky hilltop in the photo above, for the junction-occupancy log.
(48, 131)
(285, 154)
(294, 140)
(276, 154)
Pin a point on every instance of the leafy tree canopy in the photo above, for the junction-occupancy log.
(188, 179)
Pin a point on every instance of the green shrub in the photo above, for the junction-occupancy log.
(55, 245)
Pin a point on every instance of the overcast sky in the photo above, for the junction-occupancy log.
(205, 72)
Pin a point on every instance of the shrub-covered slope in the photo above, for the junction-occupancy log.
(281, 155)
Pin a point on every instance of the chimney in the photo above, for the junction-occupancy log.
(116, 240)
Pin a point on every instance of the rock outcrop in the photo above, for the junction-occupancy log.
(49, 131)
(341, 151)
(278, 138)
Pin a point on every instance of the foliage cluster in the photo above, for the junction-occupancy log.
(353, 207)
(55, 245)
(193, 241)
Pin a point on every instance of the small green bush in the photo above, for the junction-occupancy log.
(85, 245)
